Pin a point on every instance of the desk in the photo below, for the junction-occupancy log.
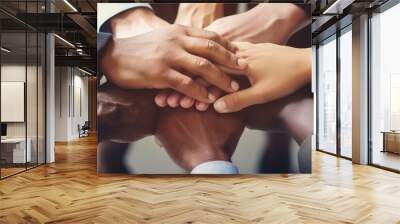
(391, 141)
(13, 150)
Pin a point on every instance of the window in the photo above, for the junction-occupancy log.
(345, 42)
(327, 95)
(385, 89)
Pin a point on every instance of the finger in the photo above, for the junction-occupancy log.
(236, 101)
(208, 71)
(214, 93)
(242, 45)
(187, 86)
(186, 102)
(230, 71)
(173, 99)
(200, 106)
(213, 51)
(210, 35)
(161, 98)
(204, 106)
(243, 54)
(202, 82)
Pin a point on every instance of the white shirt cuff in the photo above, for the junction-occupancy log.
(215, 167)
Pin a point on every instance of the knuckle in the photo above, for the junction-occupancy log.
(230, 57)
(174, 37)
(211, 45)
(202, 63)
(212, 35)
(177, 28)
(179, 82)
(172, 79)
(184, 83)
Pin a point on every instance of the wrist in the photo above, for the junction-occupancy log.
(134, 22)
(284, 19)
(194, 159)
(199, 15)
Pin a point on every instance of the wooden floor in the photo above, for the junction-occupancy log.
(70, 191)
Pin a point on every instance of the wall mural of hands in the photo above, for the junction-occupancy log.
(194, 64)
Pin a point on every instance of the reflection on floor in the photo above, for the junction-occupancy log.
(70, 191)
(9, 170)
(387, 159)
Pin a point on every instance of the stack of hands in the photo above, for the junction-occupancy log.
(195, 64)
(206, 60)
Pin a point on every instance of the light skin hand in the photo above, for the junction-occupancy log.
(273, 23)
(176, 54)
(274, 71)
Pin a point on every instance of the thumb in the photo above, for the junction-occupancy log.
(236, 101)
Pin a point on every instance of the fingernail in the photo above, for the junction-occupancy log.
(202, 106)
(235, 85)
(212, 97)
(220, 106)
(234, 48)
(160, 101)
(186, 102)
(241, 63)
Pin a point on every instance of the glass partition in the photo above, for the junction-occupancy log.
(14, 142)
(22, 88)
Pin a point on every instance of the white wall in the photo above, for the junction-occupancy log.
(33, 126)
(16, 73)
(71, 94)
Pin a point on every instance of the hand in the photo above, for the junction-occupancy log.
(274, 71)
(159, 58)
(175, 99)
(191, 137)
(277, 116)
(125, 115)
(134, 22)
(274, 23)
(199, 15)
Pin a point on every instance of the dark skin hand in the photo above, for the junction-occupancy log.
(125, 115)
(293, 114)
(170, 57)
(191, 137)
